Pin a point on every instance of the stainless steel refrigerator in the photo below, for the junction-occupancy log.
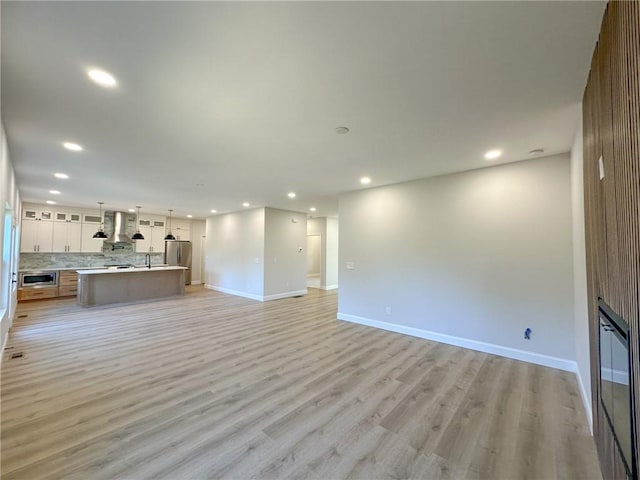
(177, 252)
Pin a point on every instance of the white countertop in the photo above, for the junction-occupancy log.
(73, 269)
(69, 269)
(129, 270)
(53, 269)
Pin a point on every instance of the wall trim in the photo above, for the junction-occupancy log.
(196, 282)
(329, 287)
(277, 296)
(586, 400)
(618, 376)
(4, 344)
(238, 293)
(514, 353)
(259, 298)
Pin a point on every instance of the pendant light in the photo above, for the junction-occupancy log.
(100, 233)
(138, 235)
(169, 235)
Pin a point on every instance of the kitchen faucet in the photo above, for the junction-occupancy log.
(147, 261)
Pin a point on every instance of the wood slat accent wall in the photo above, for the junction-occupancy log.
(611, 111)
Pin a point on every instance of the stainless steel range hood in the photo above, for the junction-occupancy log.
(119, 234)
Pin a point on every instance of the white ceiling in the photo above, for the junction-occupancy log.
(244, 97)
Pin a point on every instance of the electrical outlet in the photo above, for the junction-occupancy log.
(351, 266)
(387, 310)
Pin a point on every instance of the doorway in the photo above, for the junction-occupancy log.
(9, 262)
(203, 258)
(314, 261)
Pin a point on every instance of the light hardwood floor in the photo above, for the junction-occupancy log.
(216, 386)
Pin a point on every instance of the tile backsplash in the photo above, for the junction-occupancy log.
(33, 261)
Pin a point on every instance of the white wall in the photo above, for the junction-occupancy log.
(470, 259)
(235, 252)
(198, 228)
(314, 255)
(318, 226)
(331, 255)
(254, 253)
(285, 253)
(581, 315)
(327, 228)
(9, 196)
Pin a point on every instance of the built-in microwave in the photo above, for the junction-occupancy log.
(39, 279)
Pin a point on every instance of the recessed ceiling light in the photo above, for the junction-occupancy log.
(246, 204)
(342, 130)
(492, 154)
(291, 195)
(536, 151)
(50, 202)
(312, 209)
(132, 210)
(365, 180)
(74, 147)
(189, 216)
(214, 211)
(54, 192)
(61, 175)
(102, 78)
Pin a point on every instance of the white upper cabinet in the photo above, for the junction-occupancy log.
(144, 246)
(35, 213)
(69, 217)
(36, 236)
(94, 218)
(152, 227)
(66, 237)
(181, 229)
(67, 229)
(153, 239)
(87, 242)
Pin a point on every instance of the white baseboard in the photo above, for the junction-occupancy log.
(196, 282)
(329, 287)
(618, 376)
(516, 354)
(12, 315)
(278, 296)
(237, 293)
(253, 296)
(4, 344)
(586, 400)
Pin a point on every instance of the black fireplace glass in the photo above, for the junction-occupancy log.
(615, 388)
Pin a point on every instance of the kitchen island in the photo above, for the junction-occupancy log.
(105, 286)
